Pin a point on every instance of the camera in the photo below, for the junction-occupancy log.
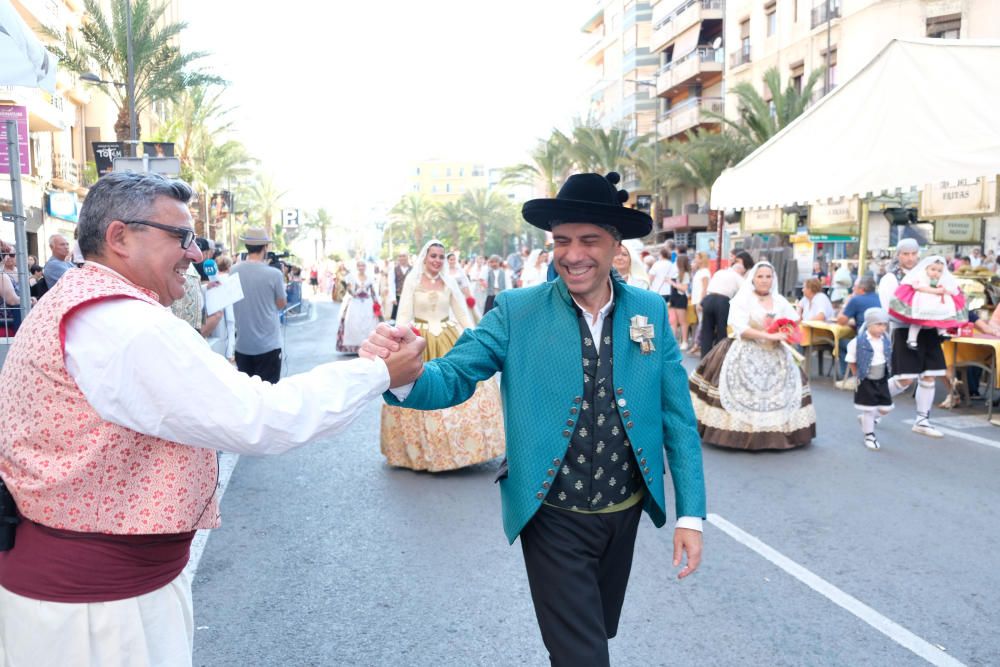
(274, 259)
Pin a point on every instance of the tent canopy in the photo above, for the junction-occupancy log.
(922, 111)
(23, 59)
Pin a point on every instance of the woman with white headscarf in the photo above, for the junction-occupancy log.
(536, 269)
(359, 312)
(749, 392)
(452, 438)
(629, 265)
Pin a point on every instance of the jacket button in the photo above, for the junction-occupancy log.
(577, 399)
(569, 422)
(556, 462)
(626, 414)
(539, 495)
(545, 485)
(620, 391)
(566, 434)
(649, 479)
(572, 411)
(642, 462)
(550, 472)
(646, 470)
(622, 402)
(639, 451)
(629, 425)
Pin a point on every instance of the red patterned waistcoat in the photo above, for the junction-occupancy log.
(69, 469)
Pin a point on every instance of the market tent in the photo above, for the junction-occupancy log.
(23, 59)
(922, 111)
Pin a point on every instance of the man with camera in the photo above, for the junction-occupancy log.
(258, 313)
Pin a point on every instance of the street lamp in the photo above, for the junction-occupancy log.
(656, 145)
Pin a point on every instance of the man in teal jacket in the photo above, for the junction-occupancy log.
(594, 393)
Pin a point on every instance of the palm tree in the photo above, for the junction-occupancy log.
(488, 209)
(550, 165)
(699, 160)
(162, 70)
(451, 217)
(759, 120)
(264, 197)
(599, 150)
(196, 116)
(214, 164)
(321, 222)
(416, 213)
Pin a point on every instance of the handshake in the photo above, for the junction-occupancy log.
(400, 348)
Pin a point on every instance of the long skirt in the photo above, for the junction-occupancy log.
(752, 395)
(447, 439)
(357, 321)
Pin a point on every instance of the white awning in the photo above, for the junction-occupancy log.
(922, 111)
(23, 59)
(687, 41)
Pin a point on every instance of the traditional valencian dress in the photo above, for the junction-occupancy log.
(939, 311)
(452, 438)
(751, 394)
(357, 315)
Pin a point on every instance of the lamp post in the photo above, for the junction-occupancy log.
(656, 145)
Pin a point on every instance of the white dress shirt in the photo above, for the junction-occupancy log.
(141, 367)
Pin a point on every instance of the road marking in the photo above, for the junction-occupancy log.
(964, 436)
(894, 631)
(227, 462)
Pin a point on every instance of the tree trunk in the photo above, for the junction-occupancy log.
(482, 238)
(122, 126)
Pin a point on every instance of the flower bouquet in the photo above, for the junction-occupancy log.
(793, 335)
(377, 309)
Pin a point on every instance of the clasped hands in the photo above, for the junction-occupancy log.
(400, 348)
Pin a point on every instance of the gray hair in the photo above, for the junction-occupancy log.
(867, 284)
(614, 231)
(494, 258)
(122, 196)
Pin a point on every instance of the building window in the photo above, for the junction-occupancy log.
(831, 75)
(771, 14)
(434, 189)
(447, 186)
(945, 27)
(461, 171)
(795, 76)
(418, 171)
(745, 41)
(416, 187)
(447, 172)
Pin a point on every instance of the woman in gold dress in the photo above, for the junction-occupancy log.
(455, 437)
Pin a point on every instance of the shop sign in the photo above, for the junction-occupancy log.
(958, 231)
(62, 205)
(105, 153)
(20, 116)
(840, 217)
(768, 221)
(962, 198)
(832, 238)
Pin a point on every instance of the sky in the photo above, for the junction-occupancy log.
(338, 100)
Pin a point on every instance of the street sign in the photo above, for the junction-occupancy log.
(19, 114)
(289, 218)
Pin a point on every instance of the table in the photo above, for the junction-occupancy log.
(815, 333)
(980, 351)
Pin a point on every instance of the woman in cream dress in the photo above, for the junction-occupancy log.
(456, 437)
(749, 392)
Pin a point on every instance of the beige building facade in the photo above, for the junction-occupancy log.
(441, 180)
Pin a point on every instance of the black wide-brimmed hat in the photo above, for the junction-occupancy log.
(589, 198)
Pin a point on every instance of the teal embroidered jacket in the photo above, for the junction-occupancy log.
(532, 336)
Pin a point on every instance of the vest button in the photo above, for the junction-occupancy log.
(566, 434)
(620, 391)
(550, 472)
(572, 411)
(545, 485)
(556, 462)
(540, 495)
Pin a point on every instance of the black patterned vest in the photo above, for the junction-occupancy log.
(599, 470)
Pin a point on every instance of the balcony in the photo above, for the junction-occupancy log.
(689, 114)
(680, 18)
(829, 10)
(741, 57)
(703, 60)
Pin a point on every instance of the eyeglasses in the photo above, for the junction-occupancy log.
(185, 234)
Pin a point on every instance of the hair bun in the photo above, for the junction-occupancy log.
(613, 177)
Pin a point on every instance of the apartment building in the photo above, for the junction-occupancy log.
(799, 36)
(443, 180)
(623, 66)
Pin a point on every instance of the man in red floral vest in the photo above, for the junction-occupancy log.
(113, 465)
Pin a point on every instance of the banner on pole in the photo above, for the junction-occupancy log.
(20, 115)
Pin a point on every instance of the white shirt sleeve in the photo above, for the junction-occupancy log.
(142, 368)
(887, 289)
(852, 351)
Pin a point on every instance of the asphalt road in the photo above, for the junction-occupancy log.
(832, 555)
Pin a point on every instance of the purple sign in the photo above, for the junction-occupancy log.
(20, 114)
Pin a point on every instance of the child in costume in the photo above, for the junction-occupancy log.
(929, 297)
(869, 356)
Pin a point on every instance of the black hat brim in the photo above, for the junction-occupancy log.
(631, 223)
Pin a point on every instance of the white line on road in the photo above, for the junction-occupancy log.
(964, 436)
(227, 462)
(892, 630)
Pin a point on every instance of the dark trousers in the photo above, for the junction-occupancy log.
(266, 366)
(578, 567)
(488, 306)
(714, 319)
